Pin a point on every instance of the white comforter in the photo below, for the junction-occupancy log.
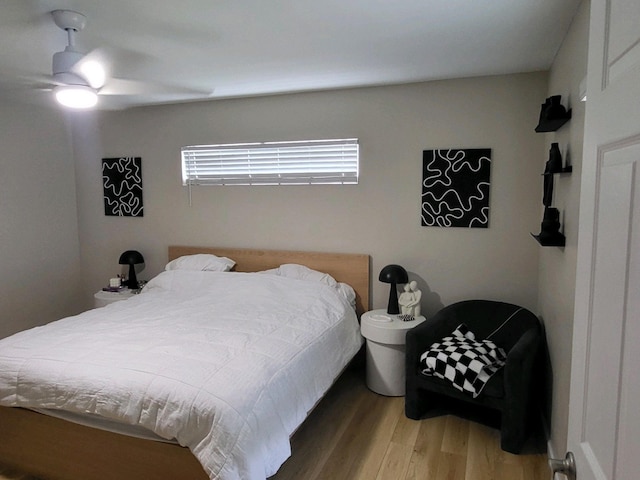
(228, 364)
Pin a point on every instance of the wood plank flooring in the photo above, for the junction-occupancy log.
(356, 434)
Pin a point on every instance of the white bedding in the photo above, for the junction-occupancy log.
(227, 364)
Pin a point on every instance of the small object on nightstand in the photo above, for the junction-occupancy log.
(409, 300)
(113, 289)
(380, 317)
(393, 274)
(131, 258)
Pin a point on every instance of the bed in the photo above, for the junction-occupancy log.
(61, 449)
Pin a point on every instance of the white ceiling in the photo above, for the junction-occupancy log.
(198, 49)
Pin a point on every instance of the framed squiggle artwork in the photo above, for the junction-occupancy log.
(455, 187)
(122, 184)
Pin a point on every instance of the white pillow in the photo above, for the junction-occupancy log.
(300, 272)
(347, 292)
(292, 270)
(201, 261)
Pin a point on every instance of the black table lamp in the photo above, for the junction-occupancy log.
(393, 274)
(131, 258)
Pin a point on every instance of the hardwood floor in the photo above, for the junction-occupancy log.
(357, 434)
(9, 474)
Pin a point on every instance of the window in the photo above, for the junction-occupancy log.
(272, 163)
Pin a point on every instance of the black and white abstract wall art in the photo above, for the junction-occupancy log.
(455, 187)
(122, 184)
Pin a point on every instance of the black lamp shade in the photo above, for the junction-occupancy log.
(131, 258)
(393, 274)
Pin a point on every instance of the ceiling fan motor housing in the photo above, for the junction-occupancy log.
(65, 60)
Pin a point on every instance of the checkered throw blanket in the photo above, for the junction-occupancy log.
(468, 364)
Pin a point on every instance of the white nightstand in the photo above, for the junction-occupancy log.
(385, 336)
(102, 298)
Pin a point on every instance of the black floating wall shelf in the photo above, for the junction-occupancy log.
(567, 169)
(552, 115)
(553, 125)
(559, 241)
(550, 235)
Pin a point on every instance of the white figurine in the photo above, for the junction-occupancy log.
(409, 300)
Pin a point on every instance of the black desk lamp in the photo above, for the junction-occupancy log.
(131, 258)
(393, 274)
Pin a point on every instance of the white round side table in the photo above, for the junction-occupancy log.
(385, 335)
(102, 297)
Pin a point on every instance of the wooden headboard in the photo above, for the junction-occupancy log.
(344, 267)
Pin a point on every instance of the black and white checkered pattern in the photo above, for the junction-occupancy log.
(468, 364)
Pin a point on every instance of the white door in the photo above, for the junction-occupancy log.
(604, 423)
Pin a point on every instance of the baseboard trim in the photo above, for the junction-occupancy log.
(551, 451)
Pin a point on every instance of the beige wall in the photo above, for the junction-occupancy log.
(380, 216)
(558, 265)
(39, 252)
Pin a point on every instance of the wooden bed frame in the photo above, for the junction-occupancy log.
(59, 450)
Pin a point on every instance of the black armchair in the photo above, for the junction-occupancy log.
(508, 399)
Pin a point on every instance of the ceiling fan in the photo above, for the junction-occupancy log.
(79, 78)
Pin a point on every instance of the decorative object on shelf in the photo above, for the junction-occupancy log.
(393, 274)
(409, 300)
(122, 184)
(550, 229)
(552, 115)
(553, 165)
(455, 187)
(131, 258)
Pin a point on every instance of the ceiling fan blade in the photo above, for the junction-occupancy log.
(93, 67)
(37, 81)
(121, 86)
(44, 87)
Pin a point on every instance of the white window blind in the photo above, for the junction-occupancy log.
(272, 163)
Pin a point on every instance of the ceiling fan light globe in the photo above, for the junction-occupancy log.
(76, 96)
